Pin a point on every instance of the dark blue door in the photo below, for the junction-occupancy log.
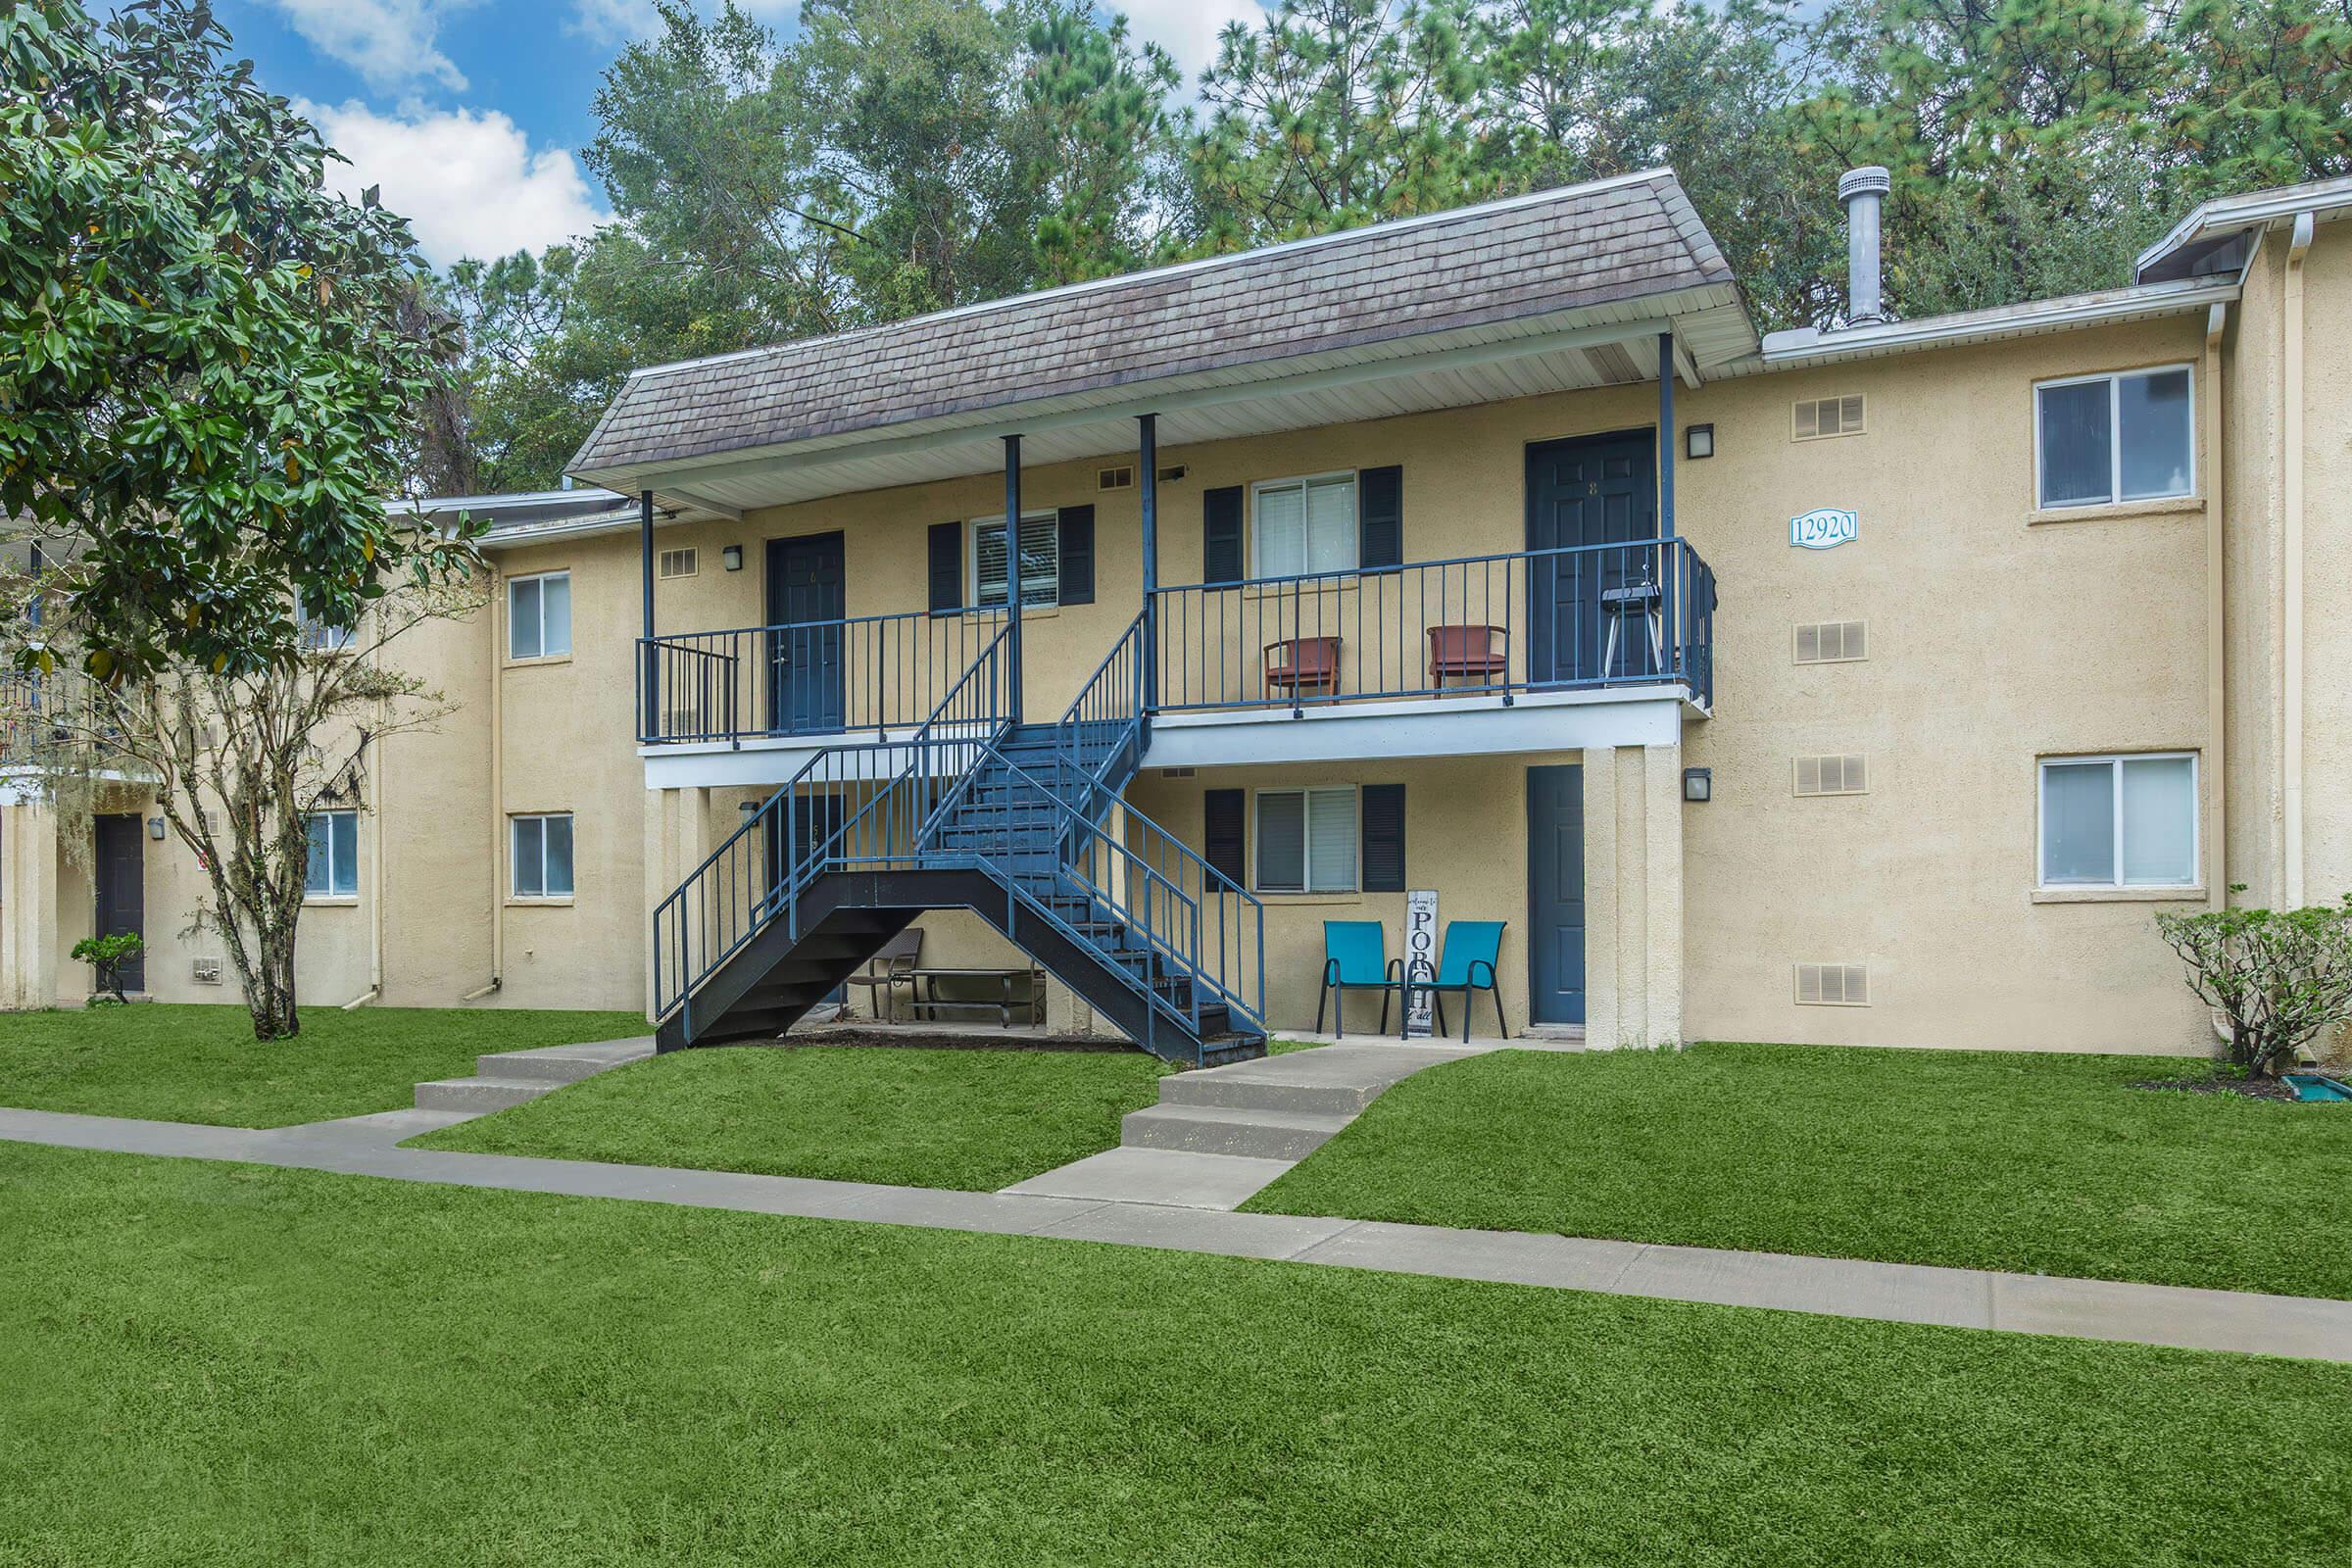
(1592, 490)
(1556, 894)
(806, 603)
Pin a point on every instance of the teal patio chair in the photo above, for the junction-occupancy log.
(1466, 963)
(1355, 958)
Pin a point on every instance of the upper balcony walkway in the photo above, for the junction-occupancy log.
(1471, 654)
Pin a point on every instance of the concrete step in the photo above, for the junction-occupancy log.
(562, 1065)
(1221, 1130)
(481, 1095)
(1266, 1094)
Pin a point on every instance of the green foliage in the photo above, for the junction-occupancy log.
(2279, 977)
(901, 156)
(211, 369)
(108, 955)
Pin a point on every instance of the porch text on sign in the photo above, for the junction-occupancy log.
(1420, 955)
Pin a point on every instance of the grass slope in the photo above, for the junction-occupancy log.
(194, 1063)
(2002, 1161)
(974, 1119)
(228, 1364)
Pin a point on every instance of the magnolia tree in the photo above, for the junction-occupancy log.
(212, 370)
(240, 760)
(2277, 977)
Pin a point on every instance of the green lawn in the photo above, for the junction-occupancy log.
(2002, 1161)
(975, 1119)
(215, 1365)
(182, 1062)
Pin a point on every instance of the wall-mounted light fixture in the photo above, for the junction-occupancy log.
(732, 556)
(1699, 784)
(155, 828)
(1699, 441)
(748, 808)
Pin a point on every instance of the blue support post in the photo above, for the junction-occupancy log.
(650, 673)
(1666, 434)
(1012, 572)
(1147, 426)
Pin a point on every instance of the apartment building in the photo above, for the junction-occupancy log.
(1875, 685)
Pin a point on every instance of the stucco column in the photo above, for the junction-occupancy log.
(660, 873)
(1633, 896)
(1662, 867)
(28, 912)
(1600, 900)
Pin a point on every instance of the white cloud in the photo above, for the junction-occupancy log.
(1186, 28)
(469, 184)
(616, 22)
(390, 43)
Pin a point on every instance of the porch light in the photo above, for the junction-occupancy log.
(1699, 441)
(1699, 784)
(733, 555)
(155, 828)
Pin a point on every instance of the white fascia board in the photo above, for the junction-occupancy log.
(1807, 346)
(1475, 726)
(863, 759)
(2324, 199)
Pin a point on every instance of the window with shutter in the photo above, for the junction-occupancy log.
(1304, 526)
(1221, 534)
(947, 567)
(1041, 560)
(1306, 840)
(1380, 517)
(1077, 556)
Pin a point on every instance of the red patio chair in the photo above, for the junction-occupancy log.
(1468, 653)
(1297, 663)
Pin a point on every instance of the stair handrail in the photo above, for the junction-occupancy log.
(1113, 695)
(743, 918)
(1155, 934)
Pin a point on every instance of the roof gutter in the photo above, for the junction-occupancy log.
(1807, 345)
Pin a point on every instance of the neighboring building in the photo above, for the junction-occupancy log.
(1883, 699)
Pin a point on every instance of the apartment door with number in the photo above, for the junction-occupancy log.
(122, 888)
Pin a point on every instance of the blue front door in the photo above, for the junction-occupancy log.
(1592, 490)
(805, 602)
(1556, 894)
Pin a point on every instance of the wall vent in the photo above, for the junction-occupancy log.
(1831, 642)
(683, 563)
(1833, 985)
(1832, 775)
(1175, 772)
(1818, 418)
(205, 971)
(1121, 478)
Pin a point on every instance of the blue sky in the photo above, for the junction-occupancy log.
(470, 113)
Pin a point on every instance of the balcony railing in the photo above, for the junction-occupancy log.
(1637, 614)
(828, 677)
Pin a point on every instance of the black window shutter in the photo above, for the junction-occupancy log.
(1380, 517)
(1221, 535)
(947, 567)
(1224, 832)
(1077, 555)
(1383, 807)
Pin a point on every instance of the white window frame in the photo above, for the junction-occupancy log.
(1302, 482)
(995, 519)
(2114, 761)
(330, 894)
(1307, 831)
(513, 657)
(320, 635)
(540, 819)
(2115, 435)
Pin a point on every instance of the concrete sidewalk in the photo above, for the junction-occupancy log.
(2094, 1310)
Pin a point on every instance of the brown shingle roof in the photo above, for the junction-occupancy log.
(1531, 256)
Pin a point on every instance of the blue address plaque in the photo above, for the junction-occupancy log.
(1824, 528)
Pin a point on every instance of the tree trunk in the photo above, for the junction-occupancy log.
(270, 989)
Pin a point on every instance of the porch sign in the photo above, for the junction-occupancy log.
(1824, 528)
(1420, 955)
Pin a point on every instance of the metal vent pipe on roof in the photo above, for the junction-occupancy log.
(1862, 191)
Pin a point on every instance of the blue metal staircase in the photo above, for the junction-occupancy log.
(1024, 824)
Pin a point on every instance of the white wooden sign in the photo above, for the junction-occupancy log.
(1824, 528)
(1420, 955)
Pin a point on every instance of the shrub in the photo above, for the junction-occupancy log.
(2279, 977)
(107, 955)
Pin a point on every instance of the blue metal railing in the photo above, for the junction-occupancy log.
(819, 677)
(848, 804)
(1194, 920)
(1634, 613)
